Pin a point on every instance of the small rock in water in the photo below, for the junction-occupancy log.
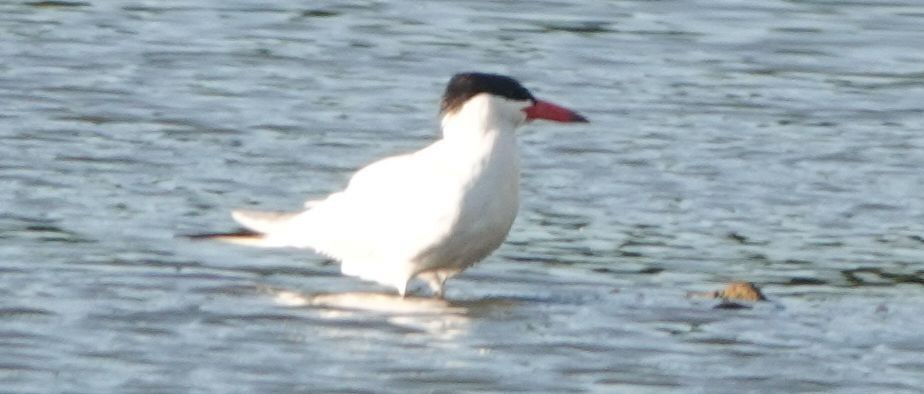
(737, 291)
(743, 291)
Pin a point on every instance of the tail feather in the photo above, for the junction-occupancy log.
(242, 237)
(262, 221)
(261, 229)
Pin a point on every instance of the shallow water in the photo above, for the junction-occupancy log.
(778, 143)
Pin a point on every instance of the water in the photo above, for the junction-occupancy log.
(776, 142)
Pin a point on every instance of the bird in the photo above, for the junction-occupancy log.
(425, 215)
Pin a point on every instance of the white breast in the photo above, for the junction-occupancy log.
(487, 207)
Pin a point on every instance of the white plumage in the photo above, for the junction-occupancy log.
(428, 214)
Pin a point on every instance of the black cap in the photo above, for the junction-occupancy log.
(464, 86)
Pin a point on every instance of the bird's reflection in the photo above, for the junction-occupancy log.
(441, 318)
(387, 303)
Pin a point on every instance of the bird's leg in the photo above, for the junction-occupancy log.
(400, 280)
(434, 282)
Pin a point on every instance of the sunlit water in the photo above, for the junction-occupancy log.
(778, 142)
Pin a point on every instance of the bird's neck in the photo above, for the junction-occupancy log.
(478, 139)
(481, 142)
(482, 119)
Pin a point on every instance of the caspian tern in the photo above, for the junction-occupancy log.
(429, 214)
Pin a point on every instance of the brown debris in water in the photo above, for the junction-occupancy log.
(734, 291)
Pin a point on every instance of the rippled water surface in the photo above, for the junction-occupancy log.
(778, 142)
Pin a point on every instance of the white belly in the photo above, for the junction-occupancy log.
(487, 210)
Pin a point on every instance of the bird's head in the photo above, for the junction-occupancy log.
(491, 100)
